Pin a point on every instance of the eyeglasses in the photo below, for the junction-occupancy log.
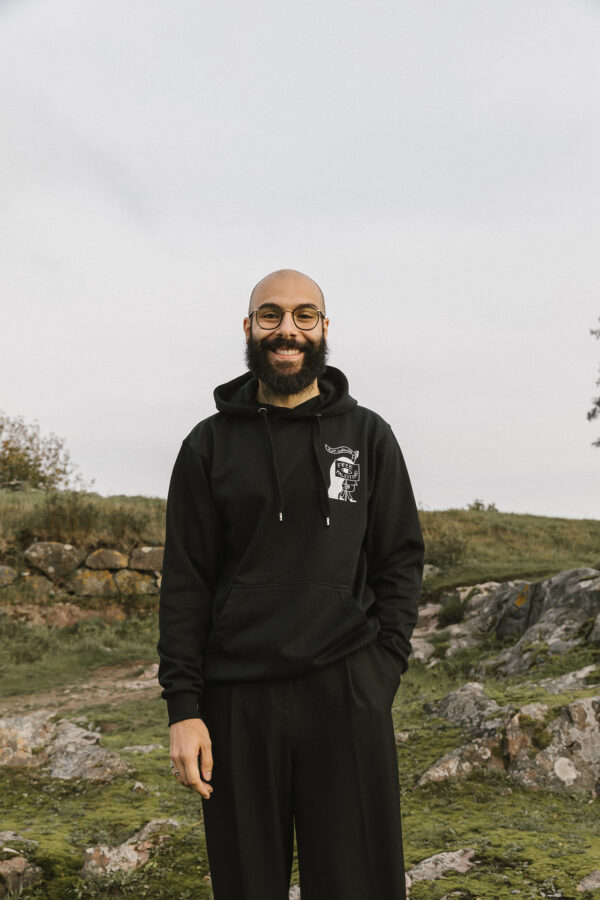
(305, 317)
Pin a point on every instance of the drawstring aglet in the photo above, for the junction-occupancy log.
(281, 517)
(327, 522)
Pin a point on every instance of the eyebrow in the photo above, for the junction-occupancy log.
(277, 306)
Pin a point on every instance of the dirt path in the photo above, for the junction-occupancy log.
(109, 684)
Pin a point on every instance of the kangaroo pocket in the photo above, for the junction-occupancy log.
(285, 623)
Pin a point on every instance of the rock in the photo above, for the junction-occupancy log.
(435, 866)
(539, 748)
(54, 559)
(64, 750)
(294, 893)
(7, 575)
(401, 737)
(429, 571)
(550, 617)
(60, 614)
(38, 586)
(421, 650)
(91, 583)
(75, 754)
(428, 616)
(23, 737)
(16, 874)
(148, 678)
(142, 748)
(134, 852)
(139, 787)
(147, 559)
(591, 882)
(568, 682)
(459, 763)
(12, 837)
(107, 559)
(594, 637)
(469, 708)
(130, 583)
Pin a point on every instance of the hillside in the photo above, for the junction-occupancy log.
(505, 669)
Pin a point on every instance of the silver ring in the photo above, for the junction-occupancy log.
(175, 772)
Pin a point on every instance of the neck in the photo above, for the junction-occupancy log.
(264, 395)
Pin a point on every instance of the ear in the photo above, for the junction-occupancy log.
(325, 327)
(247, 326)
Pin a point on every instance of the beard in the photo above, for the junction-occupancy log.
(278, 382)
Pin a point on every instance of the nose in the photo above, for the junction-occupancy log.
(287, 324)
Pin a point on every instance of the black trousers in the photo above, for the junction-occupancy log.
(316, 751)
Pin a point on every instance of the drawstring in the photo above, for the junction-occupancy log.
(324, 494)
(265, 419)
(316, 443)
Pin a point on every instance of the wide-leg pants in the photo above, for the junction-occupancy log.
(317, 752)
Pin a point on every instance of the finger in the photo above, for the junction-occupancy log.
(206, 760)
(194, 781)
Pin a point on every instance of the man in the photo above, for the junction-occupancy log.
(292, 569)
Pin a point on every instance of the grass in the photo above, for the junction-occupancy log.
(534, 843)
(86, 520)
(33, 655)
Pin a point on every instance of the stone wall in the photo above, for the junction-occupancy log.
(56, 568)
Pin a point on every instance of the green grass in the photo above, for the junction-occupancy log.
(36, 658)
(523, 841)
(533, 842)
(500, 546)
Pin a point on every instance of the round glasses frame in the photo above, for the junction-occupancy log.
(281, 314)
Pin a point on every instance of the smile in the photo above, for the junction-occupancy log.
(286, 354)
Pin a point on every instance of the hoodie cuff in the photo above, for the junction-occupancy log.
(183, 705)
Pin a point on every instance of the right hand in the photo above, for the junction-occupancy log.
(190, 739)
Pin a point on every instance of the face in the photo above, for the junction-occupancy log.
(286, 359)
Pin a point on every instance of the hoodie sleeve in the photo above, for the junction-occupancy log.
(394, 549)
(192, 543)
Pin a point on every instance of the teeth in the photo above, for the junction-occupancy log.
(281, 352)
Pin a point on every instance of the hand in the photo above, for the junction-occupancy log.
(190, 739)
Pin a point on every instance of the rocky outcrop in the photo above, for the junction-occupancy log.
(61, 749)
(541, 618)
(134, 852)
(537, 746)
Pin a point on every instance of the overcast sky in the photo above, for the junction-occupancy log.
(433, 165)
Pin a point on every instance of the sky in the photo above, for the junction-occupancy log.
(434, 166)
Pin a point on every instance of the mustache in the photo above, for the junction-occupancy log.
(280, 343)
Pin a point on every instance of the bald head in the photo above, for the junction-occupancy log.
(282, 282)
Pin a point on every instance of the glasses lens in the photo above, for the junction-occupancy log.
(306, 318)
(268, 318)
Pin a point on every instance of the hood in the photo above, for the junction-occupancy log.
(238, 397)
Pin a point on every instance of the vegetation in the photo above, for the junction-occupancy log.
(537, 845)
(26, 456)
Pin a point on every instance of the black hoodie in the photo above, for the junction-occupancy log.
(292, 539)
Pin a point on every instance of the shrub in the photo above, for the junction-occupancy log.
(42, 462)
(451, 612)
